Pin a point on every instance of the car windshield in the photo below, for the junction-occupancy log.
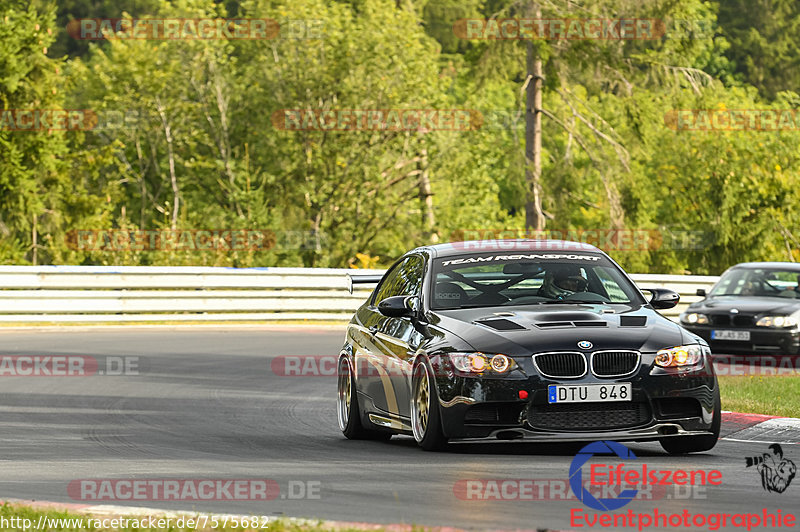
(761, 282)
(487, 280)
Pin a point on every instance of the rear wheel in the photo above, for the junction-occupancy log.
(696, 444)
(426, 420)
(347, 409)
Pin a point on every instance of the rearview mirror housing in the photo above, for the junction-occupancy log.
(399, 306)
(663, 298)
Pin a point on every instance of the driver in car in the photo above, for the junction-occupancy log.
(562, 282)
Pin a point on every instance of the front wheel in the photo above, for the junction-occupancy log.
(426, 420)
(697, 444)
(347, 409)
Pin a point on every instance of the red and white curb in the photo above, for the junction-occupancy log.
(758, 428)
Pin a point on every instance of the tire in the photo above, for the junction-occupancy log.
(696, 444)
(347, 411)
(426, 421)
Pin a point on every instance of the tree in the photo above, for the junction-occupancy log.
(32, 172)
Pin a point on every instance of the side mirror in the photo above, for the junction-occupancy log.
(663, 298)
(701, 292)
(399, 306)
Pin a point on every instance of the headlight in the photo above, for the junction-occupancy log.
(481, 363)
(777, 321)
(683, 355)
(694, 318)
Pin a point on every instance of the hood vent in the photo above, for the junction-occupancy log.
(632, 321)
(561, 324)
(552, 324)
(501, 324)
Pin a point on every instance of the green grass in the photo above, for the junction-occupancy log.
(12, 518)
(774, 395)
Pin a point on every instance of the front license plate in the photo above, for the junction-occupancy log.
(731, 335)
(589, 393)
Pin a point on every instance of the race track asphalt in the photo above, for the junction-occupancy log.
(207, 403)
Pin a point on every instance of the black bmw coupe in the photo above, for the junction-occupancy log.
(522, 339)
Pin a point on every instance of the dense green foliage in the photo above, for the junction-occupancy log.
(199, 149)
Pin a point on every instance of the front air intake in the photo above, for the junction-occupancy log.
(614, 363)
(560, 365)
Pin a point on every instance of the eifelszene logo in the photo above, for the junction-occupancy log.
(619, 480)
(776, 471)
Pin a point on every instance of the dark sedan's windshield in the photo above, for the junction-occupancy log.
(762, 282)
(492, 279)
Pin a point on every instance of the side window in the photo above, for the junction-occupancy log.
(404, 279)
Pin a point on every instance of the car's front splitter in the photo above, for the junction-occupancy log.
(655, 432)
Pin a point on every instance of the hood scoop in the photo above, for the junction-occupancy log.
(559, 320)
(560, 324)
(500, 324)
(632, 321)
(554, 324)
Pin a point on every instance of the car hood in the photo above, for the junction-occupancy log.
(534, 329)
(751, 305)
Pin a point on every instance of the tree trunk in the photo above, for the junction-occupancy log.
(171, 157)
(35, 238)
(426, 198)
(534, 217)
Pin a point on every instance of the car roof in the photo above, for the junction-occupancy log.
(472, 247)
(792, 266)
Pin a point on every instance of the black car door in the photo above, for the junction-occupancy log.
(391, 339)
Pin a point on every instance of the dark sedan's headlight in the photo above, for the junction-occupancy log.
(777, 322)
(680, 356)
(694, 318)
(482, 363)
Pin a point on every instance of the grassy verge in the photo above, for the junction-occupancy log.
(14, 517)
(774, 395)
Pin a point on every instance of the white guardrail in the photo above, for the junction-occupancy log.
(63, 294)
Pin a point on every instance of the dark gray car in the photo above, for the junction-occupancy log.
(753, 309)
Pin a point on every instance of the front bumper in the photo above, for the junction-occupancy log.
(664, 403)
(763, 341)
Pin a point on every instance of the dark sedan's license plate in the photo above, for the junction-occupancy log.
(589, 393)
(743, 336)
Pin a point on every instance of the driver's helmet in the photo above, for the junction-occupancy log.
(563, 281)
